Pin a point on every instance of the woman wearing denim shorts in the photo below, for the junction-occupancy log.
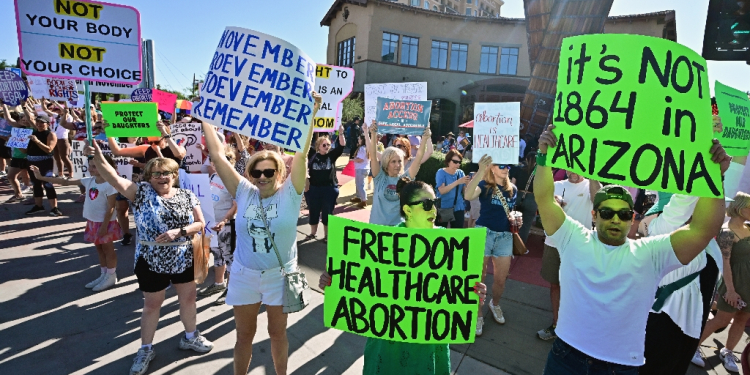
(491, 185)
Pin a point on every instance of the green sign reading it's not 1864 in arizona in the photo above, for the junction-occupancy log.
(734, 110)
(636, 111)
(130, 119)
(406, 285)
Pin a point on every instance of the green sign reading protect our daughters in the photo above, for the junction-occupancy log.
(406, 285)
(636, 111)
(130, 119)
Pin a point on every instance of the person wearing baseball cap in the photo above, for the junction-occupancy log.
(39, 153)
(608, 281)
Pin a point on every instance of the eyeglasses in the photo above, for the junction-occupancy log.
(326, 145)
(427, 204)
(161, 174)
(456, 161)
(255, 173)
(503, 166)
(608, 214)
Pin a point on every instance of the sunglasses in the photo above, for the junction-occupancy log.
(456, 161)
(608, 214)
(401, 146)
(161, 174)
(255, 173)
(326, 145)
(503, 166)
(427, 204)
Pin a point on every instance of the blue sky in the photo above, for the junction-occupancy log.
(185, 33)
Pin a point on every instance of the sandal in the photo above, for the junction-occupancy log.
(310, 237)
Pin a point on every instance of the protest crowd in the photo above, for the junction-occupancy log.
(668, 267)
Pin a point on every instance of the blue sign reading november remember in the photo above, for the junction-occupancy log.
(409, 117)
(260, 86)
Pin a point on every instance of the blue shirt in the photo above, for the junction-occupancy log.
(442, 177)
(491, 213)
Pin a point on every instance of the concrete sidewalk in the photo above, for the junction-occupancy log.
(51, 324)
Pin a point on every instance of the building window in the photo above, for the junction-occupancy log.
(427, 5)
(415, 3)
(439, 58)
(468, 11)
(390, 45)
(509, 61)
(345, 53)
(468, 1)
(458, 56)
(409, 49)
(435, 8)
(488, 61)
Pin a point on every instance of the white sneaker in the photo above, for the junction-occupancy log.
(497, 313)
(698, 359)
(198, 343)
(729, 360)
(480, 325)
(109, 280)
(96, 282)
(141, 361)
(25, 189)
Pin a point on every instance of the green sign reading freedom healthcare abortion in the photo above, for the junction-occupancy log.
(636, 111)
(734, 110)
(407, 285)
(131, 119)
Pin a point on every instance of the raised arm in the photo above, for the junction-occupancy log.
(708, 217)
(125, 187)
(64, 120)
(428, 151)
(550, 211)
(342, 138)
(132, 152)
(299, 163)
(177, 150)
(53, 180)
(594, 186)
(414, 168)
(472, 190)
(8, 118)
(372, 147)
(226, 171)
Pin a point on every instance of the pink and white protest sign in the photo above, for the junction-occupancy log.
(496, 132)
(165, 101)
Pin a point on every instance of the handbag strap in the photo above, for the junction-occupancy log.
(458, 190)
(505, 204)
(268, 233)
(528, 183)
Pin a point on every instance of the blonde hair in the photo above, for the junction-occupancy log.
(230, 154)
(320, 141)
(388, 155)
(489, 178)
(267, 155)
(741, 200)
(165, 163)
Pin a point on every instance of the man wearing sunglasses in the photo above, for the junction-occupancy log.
(607, 280)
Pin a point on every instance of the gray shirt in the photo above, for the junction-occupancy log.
(385, 200)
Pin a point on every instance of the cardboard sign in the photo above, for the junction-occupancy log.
(19, 138)
(165, 100)
(5, 128)
(54, 89)
(200, 185)
(141, 95)
(400, 91)
(81, 162)
(403, 116)
(406, 285)
(260, 86)
(130, 119)
(13, 89)
(734, 109)
(188, 135)
(635, 110)
(334, 84)
(496, 132)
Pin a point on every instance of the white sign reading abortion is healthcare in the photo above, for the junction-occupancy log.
(80, 40)
(333, 83)
(496, 131)
(400, 91)
(260, 86)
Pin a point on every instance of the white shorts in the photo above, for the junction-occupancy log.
(248, 287)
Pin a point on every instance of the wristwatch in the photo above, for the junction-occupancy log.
(183, 232)
(167, 136)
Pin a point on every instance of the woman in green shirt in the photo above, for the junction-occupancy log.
(417, 201)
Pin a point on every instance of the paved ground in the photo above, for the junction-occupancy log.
(51, 324)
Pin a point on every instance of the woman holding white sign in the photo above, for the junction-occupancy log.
(268, 206)
(386, 172)
(497, 196)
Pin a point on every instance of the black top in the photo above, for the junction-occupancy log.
(322, 168)
(167, 152)
(33, 149)
(521, 174)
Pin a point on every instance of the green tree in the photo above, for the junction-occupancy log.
(4, 64)
(353, 106)
(180, 94)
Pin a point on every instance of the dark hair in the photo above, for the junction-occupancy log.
(407, 189)
(449, 156)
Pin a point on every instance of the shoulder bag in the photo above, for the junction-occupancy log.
(296, 289)
(519, 248)
(519, 205)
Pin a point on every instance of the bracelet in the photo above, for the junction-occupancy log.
(167, 136)
(541, 159)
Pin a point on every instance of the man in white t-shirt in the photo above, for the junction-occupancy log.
(607, 280)
(576, 196)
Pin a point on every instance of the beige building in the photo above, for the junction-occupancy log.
(464, 58)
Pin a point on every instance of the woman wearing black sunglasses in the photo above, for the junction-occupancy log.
(449, 181)
(268, 207)
(322, 188)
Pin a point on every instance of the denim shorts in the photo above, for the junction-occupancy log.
(498, 244)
